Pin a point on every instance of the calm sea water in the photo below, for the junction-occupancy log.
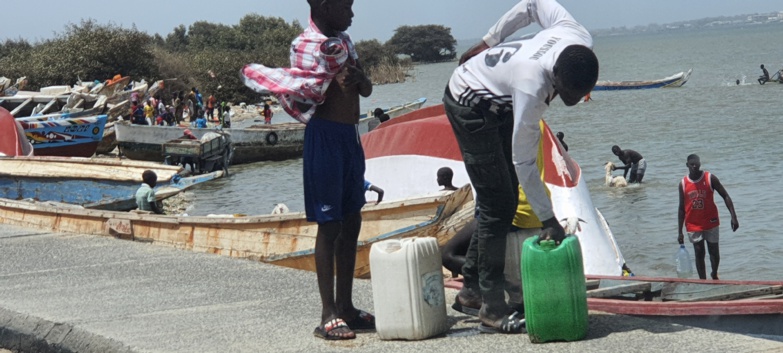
(735, 129)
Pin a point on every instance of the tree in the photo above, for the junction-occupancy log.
(426, 43)
(372, 53)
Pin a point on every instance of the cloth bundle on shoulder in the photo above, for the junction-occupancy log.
(315, 60)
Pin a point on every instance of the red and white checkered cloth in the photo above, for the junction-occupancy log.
(315, 60)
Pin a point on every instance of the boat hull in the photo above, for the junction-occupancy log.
(676, 80)
(747, 307)
(285, 240)
(263, 143)
(425, 139)
(63, 135)
(99, 184)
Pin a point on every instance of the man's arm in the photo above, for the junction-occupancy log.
(681, 215)
(544, 12)
(527, 134)
(154, 203)
(717, 186)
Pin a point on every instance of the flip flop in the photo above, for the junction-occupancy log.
(458, 306)
(327, 331)
(363, 321)
(511, 324)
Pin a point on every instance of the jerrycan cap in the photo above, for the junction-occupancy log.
(548, 245)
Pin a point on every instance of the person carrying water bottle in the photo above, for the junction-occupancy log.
(700, 214)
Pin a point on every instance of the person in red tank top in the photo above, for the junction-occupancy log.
(699, 214)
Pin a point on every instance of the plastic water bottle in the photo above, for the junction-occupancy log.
(683, 262)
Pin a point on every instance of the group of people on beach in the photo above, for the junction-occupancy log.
(493, 100)
(184, 108)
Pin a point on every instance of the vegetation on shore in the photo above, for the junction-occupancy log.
(204, 55)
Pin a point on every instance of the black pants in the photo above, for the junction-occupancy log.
(484, 138)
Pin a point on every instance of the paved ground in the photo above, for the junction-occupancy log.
(95, 294)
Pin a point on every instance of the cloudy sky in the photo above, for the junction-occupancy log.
(374, 19)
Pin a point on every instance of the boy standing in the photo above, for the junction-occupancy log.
(323, 56)
(700, 214)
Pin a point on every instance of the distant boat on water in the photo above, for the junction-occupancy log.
(676, 80)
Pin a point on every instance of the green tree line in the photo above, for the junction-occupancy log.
(204, 55)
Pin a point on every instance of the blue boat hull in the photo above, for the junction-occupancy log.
(64, 135)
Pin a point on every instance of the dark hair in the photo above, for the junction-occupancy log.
(692, 156)
(616, 147)
(385, 117)
(578, 66)
(149, 177)
(378, 112)
(446, 171)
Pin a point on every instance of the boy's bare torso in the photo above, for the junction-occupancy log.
(342, 101)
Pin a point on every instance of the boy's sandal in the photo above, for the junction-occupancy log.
(511, 324)
(336, 329)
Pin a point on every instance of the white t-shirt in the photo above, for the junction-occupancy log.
(518, 74)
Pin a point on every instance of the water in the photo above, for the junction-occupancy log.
(734, 129)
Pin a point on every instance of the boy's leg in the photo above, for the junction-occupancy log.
(324, 263)
(345, 259)
(711, 237)
(699, 254)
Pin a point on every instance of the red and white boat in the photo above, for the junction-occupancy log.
(404, 154)
(12, 137)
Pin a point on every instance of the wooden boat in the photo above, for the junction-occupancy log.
(676, 80)
(27, 104)
(365, 120)
(286, 239)
(733, 306)
(92, 183)
(13, 141)
(109, 141)
(63, 134)
(275, 142)
(404, 154)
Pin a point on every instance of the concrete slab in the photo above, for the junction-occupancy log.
(92, 294)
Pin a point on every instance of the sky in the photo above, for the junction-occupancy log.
(374, 19)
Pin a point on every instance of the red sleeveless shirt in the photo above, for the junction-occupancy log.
(701, 213)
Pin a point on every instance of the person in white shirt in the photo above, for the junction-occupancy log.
(494, 101)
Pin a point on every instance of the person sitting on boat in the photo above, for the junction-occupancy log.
(632, 161)
(145, 195)
(764, 76)
(560, 136)
(525, 225)
(444, 178)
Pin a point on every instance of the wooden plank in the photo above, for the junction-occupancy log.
(718, 293)
(21, 106)
(619, 290)
(48, 106)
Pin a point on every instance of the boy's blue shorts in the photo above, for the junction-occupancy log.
(333, 171)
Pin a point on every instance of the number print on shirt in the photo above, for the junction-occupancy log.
(697, 204)
(506, 51)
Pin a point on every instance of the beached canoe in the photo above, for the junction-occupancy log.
(25, 103)
(404, 154)
(106, 184)
(733, 306)
(368, 122)
(63, 134)
(275, 142)
(285, 240)
(676, 80)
